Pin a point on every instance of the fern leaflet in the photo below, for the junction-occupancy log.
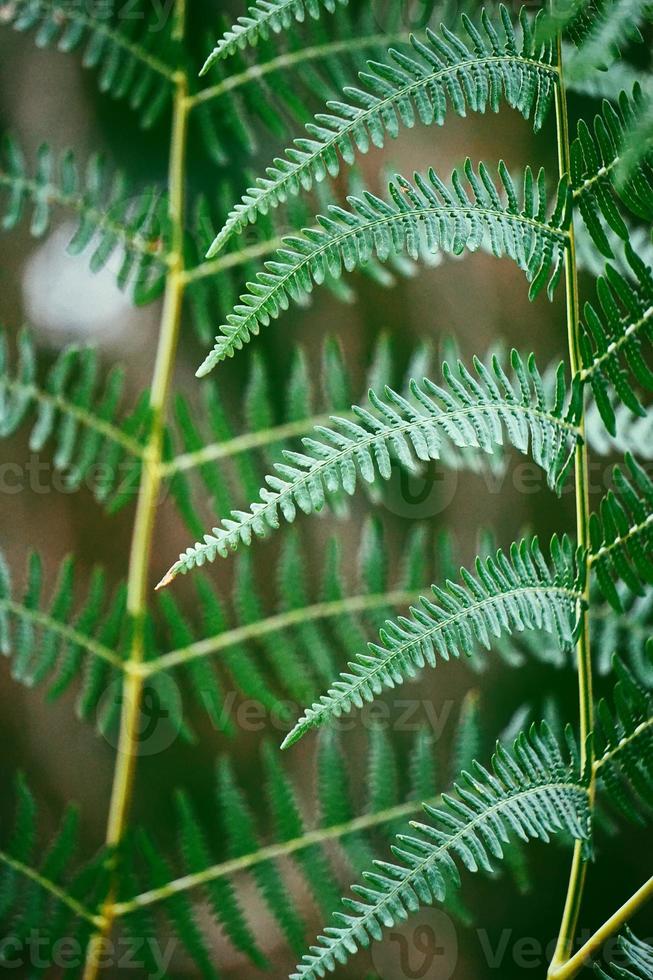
(444, 70)
(515, 592)
(464, 411)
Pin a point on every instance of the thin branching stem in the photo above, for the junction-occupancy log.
(150, 486)
(609, 928)
(581, 466)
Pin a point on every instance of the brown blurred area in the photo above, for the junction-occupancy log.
(47, 96)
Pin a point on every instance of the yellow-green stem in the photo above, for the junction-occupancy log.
(578, 867)
(608, 929)
(148, 498)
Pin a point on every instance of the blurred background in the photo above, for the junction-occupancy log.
(477, 304)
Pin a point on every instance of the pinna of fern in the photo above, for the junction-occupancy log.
(469, 412)
(442, 71)
(533, 792)
(420, 218)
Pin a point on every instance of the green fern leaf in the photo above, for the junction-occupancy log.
(111, 219)
(50, 641)
(519, 592)
(419, 219)
(624, 745)
(473, 72)
(530, 793)
(47, 893)
(92, 445)
(595, 171)
(635, 960)
(621, 534)
(465, 411)
(612, 338)
(130, 60)
(263, 17)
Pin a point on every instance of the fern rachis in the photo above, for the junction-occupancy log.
(280, 632)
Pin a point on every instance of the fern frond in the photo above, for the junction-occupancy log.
(50, 640)
(467, 411)
(298, 640)
(263, 17)
(41, 889)
(624, 744)
(595, 171)
(601, 29)
(307, 840)
(635, 960)
(420, 219)
(612, 338)
(531, 792)
(111, 218)
(79, 415)
(508, 593)
(621, 534)
(130, 60)
(470, 72)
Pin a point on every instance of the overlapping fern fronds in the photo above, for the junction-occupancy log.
(94, 443)
(470, 412)
(210, 858)
(262, 18)
(621, 533)
(532, 792)
(113, 221)
(598, 183)
(420, 218)
(509, 592)
(57, 639)
(474, 73)
(624, 743)
(43, 890)
(635, 960)
(134, 62)
(615, 337)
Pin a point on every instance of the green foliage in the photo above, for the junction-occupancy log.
(624, 744)
(515, 592)
(443, 71)
(637, 960)
(612, 338)
(621, 533)
(466, 411)
(132, 64)
(598, 184)
(420, 218)
(79, 415)
(262, 18)
(242, 847)
(41, 889)
(111, 219)
(530, 793)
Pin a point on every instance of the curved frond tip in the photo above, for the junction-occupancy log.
(262, 18)
(472, 70)
(531, 792)
(419, 219)
(508, 593)
(478, 411)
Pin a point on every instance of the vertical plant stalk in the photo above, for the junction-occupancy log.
(148, 499)
(581, 467)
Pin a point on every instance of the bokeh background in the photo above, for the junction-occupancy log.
(481, 302)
